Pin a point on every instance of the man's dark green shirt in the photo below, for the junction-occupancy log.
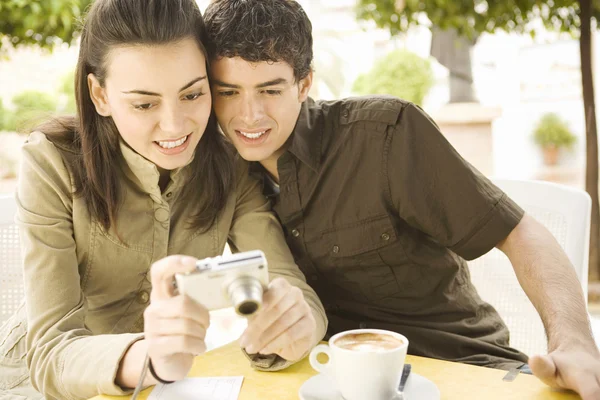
(381, 213)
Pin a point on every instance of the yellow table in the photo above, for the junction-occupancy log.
(455, 381)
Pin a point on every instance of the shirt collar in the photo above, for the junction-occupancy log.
(145, 174)
(305, 141)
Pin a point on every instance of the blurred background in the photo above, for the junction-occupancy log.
(502, 80)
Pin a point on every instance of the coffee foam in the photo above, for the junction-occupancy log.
(368, 342)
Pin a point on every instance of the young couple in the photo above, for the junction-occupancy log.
(379, 212)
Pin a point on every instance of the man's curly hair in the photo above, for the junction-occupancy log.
(260, 30)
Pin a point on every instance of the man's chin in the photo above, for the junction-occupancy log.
(253, 155)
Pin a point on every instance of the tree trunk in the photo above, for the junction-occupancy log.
(453, 51)
(591, 171)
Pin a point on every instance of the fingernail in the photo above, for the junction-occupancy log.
(243, 342)
(250, 349)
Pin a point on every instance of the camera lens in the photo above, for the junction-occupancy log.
(245, 294)
(247, 308)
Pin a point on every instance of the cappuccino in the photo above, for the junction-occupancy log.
(368, 342)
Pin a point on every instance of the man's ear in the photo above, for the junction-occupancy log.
(304, 86)
(98, 96)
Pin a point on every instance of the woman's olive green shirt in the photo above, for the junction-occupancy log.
(86, 290)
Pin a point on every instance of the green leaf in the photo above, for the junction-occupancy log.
(510, 15)
(48, 20)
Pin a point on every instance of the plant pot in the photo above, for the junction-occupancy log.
(550, 155)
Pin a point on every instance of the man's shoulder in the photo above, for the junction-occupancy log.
(374, 108)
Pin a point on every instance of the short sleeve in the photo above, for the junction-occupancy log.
(439, 193)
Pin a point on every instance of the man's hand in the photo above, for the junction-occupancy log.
(284, 325)
(174, 325)
(575, 369)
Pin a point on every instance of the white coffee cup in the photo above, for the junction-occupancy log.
(368, 369)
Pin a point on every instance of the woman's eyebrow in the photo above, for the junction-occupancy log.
(148, 93)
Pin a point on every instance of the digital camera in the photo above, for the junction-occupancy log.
(236, 280)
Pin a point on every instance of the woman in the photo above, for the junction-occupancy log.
(140, 175)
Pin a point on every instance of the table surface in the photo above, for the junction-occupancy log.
(455, 381)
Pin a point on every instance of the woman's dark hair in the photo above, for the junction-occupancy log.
(261, 30)
(95, 139)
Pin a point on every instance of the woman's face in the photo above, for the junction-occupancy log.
(159, 99)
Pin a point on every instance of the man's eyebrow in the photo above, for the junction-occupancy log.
(225, 84)
(273, 82)
(147, 93)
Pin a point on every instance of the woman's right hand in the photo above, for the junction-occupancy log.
(174, 325)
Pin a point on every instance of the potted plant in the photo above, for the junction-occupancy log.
(552, 134)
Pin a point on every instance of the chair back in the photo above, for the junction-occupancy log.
(11, 273)
(566, 213)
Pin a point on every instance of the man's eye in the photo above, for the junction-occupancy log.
(273, 92)
(226, 93)
(143, 107)
(193, 96)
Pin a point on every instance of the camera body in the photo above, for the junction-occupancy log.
(236, 280)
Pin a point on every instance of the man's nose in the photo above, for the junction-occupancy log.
(252, 111)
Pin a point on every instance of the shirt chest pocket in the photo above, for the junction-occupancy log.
(350, 256)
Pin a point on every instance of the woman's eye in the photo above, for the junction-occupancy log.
(143, 107)
(193, 96)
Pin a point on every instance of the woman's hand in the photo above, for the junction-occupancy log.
(174, 325)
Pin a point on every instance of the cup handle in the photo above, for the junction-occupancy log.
(318, 366)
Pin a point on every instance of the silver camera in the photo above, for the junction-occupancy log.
(237, 280)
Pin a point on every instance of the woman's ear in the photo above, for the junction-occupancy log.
(304, 86)
(98, 96)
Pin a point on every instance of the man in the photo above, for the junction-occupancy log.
(380, 211)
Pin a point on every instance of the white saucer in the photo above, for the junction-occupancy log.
(320, 387)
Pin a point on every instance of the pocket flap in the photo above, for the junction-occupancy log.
(360, 237)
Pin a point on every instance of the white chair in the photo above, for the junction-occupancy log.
(566, 212)
(11, 274)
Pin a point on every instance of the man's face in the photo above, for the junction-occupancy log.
(257, 104)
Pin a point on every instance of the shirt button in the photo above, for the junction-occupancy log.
(143, 297)
(362, 325)
(345, 113)
(169, 194)
(385, 236)
(161, 215)
(295, 233)
(336, 249)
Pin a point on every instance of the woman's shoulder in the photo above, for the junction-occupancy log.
(246, 173)
(47, 149)
(46, 158)
(57, 136)
(241, 166)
